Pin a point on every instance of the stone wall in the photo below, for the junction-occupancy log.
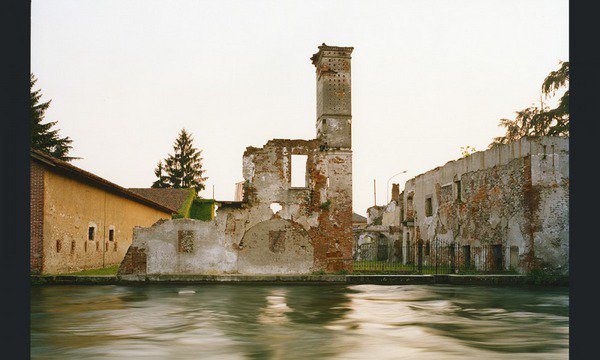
(311, 226)
(381, 239)
(512, 197)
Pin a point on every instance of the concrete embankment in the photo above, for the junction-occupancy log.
(298, 279)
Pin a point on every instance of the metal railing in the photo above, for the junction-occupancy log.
(437, 257)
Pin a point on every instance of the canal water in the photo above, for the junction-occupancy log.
(298, 322)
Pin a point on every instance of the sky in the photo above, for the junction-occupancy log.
(428, 77)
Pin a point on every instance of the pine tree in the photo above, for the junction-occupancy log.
(183, 168)
(161, 178)
(43, 137)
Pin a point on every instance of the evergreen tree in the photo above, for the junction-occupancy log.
(541, 121)
(183, 168)
(161, 178)
(43, 137)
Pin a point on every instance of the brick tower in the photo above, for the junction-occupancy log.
(334, 123)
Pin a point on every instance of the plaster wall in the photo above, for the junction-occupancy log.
(312, 231)
(70, 208)
(514, 195)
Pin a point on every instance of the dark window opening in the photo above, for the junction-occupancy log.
(73, 247)
(428, 207)
(382, 250)
(458, 191)
(91, 231)
(111, 235)
(58, 246)
(427, 248)
(420, 255)
(497, 257)
(452, 251)
(467, 256)
(514, 257)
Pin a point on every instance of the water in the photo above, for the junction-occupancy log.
(298, 322)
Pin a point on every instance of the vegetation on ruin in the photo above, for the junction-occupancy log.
(196, 208)
(184, 211)
(326, 205)
(540, 121)
(45, 136)
(183, 168)
(202, 209)
(466, 151)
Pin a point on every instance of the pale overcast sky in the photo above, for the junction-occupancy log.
(427, 78)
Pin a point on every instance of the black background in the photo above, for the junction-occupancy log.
(584, 164)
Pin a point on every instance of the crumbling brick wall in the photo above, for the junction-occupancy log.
(514, 196)
(313, 229)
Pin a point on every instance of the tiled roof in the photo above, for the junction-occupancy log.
(86, 176)
(169, 197)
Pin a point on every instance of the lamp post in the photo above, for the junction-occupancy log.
(387, 186)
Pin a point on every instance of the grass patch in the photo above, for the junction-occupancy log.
(111, 270)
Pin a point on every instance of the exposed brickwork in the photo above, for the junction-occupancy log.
(311, 230)
(134, 262)
(396, 192)
(36, 207)
(185, 242)
(499, 209)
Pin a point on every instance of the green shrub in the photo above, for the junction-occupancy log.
(202, 209)
(325, 205)
(540, 276)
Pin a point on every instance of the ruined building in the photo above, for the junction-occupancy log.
(276, 228)
(506, 208)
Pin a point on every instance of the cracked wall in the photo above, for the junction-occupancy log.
(514, 197)
(312, 230)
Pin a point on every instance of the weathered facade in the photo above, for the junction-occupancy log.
(381, 238)
(277, 228)
(80, 221)
(506, 208)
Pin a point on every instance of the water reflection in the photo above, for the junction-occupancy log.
(285, 322)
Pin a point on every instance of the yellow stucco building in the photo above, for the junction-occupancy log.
(79, 220)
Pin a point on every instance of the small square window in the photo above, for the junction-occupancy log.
(111, 235)
(458, 187)
(428, 207)
(91, 231)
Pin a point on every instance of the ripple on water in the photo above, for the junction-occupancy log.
(345, 322)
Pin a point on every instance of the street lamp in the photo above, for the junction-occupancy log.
(387, 186)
